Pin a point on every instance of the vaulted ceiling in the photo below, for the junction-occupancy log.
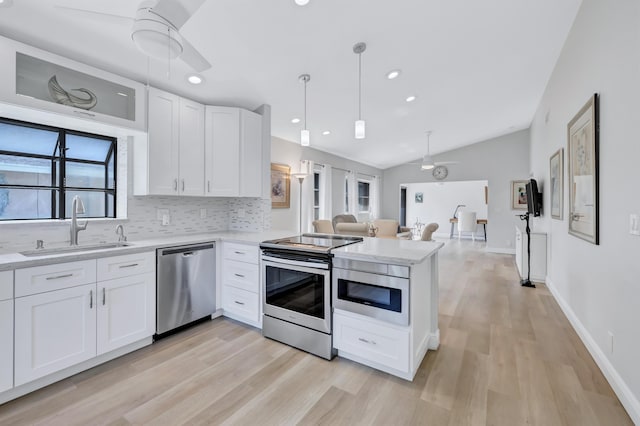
(477, 69)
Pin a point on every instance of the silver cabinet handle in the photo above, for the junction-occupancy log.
(240, 252)
(90, 299)
(57, 277)
(182, 185)
(371, 342)
(128, 266)
(239, 275)
(239, 303)
(175, 184)
(208, 186)
(104, 296)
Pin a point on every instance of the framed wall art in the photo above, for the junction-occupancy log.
(519, 194)
(582, 161)
(556, 175)
(280, 186)
(419, 196)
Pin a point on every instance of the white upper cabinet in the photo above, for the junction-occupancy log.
(233, 152)
(43, 81)
(222, 151)
(250, 154)
(174, 155)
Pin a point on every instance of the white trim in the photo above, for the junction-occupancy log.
(626, 396)
(500, 250)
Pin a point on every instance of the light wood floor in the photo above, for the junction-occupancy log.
(508, 356)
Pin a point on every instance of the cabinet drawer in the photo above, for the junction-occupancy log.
(241, 252)
(241, 275)
(40, 279)
(109, 268)
(6, 285)
(241, 302)
(372, 340)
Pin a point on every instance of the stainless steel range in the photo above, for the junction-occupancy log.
(296, 273)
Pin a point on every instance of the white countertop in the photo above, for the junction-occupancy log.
(17, 260)
(404, 252)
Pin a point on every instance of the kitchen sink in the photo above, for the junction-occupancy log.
(72, 249)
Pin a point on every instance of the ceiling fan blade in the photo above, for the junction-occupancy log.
(193, 58)
(92, 14)
(177, 12)
(444, 163)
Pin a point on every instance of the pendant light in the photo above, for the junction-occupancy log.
(304, 133)
(358, 48)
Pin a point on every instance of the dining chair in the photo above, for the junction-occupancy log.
(467, 222)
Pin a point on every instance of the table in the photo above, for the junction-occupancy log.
(482, 222)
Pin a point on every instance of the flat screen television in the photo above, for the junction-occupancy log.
(534, 198)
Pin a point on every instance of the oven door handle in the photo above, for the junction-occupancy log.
(314, 265)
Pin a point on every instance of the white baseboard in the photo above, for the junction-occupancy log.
(626, 396)
(500, 250)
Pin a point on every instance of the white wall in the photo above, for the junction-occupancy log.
(598, 285)
(499, 161)
(290, 153)
(440, 200)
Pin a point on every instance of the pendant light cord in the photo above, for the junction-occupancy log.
(359, 86)
(305, 104)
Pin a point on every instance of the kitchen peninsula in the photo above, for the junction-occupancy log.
(394, 344)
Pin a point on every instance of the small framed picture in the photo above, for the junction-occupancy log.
(418, 197)
(280, 186)
(556, 174)
(519, 195)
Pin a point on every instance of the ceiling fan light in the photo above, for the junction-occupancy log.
(156, 39)
(360, 129)
(427, 163)
(304, 137)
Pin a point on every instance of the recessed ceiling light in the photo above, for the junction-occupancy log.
(410, 98)
(119, 93)
(295, 120)
(326, 132)
(6, 3)
(393, 74)
(302, 2)
(195, 79)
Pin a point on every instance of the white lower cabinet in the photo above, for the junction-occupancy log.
(241, 283)
(370, 341)
(6, 345)
(126, 311)
(53, 331)
(66, 323)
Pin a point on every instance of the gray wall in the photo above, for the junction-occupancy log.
(598, 285)
(290, 153)
(499, 161)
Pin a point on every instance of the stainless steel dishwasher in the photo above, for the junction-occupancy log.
(186, 289)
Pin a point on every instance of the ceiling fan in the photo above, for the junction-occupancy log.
(427, 161)
(156, 27)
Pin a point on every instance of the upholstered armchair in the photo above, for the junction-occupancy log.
(388, 228)
(428, 231)
(357, 229)
(322, 226)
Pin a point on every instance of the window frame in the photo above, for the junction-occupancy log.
(59, 162)
(368, 196)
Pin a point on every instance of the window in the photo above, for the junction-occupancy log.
(363, 196)
(316, 196)
(42, 168)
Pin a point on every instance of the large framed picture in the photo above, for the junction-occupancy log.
(582, 161)
(280, 186)
(519, 195)
(556, 174)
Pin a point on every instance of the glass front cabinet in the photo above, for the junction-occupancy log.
(41, 80)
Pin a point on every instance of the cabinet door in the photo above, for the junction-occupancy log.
(53, 331)
(164, 121)
(191, 148)
(6, 345)
(126, 311)
(222, 151)
(250, 154)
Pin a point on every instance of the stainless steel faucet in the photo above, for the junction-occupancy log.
(77, 207)
(120, 233)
